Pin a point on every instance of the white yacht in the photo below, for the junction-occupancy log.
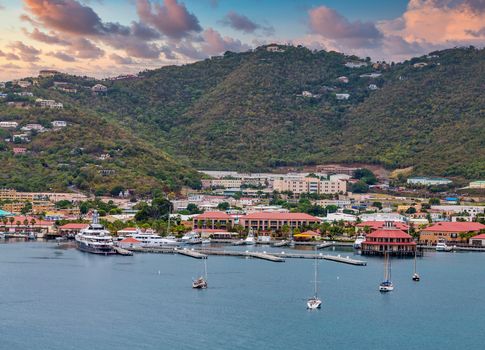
(250, 240)
(152, 240)
(442, 247)
(192, 238)
(201, 282)
(95, 238)
(358, 241)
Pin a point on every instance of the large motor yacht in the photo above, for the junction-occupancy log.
(95, 238)
(152, 240)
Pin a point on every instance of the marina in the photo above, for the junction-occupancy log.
(152, 296)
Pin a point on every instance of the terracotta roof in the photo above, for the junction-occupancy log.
(380, 224)
(128, 229)
(455, 227)
(388, 233)
(73, 226)
(130, 240)
(481, 236)
(279, 216)
(213, 215)
(388, 243)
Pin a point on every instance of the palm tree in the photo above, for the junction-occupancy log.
(11, 219)
(5, 220)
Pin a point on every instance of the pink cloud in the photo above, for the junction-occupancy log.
(215, 44)
(171, 18)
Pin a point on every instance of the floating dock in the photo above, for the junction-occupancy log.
(192, 253)
(265, 256)
(346, 260)
(122, 251)
(323, 245)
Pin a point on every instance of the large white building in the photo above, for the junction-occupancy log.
(428, 181)
(298, 185)
(8, 125)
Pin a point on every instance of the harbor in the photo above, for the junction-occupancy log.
(154, 293)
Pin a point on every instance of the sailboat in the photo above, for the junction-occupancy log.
(386, 285)
(314, 302)
(416, 276)
(201, 282)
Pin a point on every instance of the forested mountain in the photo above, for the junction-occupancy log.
(262, 109)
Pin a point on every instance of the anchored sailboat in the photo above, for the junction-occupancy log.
(416, 276)
(201, 282)
(314, 302)
(386, 285)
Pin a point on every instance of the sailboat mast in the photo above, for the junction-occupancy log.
(415, 259)
(316, 272)
(205, 268)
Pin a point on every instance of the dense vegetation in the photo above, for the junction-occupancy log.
(246, 111)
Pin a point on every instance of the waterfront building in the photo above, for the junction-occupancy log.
(478, 240)
(258, 221)
(379, 225)
(388, 239)
(271, 221)
(28, 224)
(71, 229)
(428, 181)
(451, 232)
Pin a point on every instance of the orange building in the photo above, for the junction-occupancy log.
(451, 232)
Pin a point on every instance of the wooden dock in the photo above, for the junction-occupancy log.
(122, 251)
(192, 253)
(346, 260)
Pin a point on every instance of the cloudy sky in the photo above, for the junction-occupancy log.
(110, 37)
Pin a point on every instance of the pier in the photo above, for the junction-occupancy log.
(122, 251)
(192, 253)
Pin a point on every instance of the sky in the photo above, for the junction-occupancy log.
(104, 38)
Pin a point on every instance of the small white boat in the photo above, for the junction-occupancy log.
(386, 285)
(2, 235)
(314, 302)
(250, 240)
(194, 240)
(358, 242)
(201, 282)
(416, 276)
(189, 235)
(206, 241)
(442, 247)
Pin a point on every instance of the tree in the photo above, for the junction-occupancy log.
(223, 206)
(360, 187)
(411, 210)
(434, 201)
(193, 209)
(378, 205)
(26, 208)
(366, 176)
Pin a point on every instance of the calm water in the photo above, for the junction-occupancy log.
(55, 298)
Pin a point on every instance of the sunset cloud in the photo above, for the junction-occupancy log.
(243, 23)
(27, 53)
(171, 18)
(62, 56)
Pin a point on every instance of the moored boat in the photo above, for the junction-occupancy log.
(358, 242)
(201, 282)
(386, 285)
(314, 302)
(95, 239)
(442, 247)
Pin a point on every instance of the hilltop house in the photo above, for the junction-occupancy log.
(99, 89)
(343, 79)
(49, 104)
(8, 125)
(24, 83)
(30, 127)
(48, 73)
(342, 96)
(372, 87)
(370, 75)
(19, 150)
(355, 64)
(427, 181)
(274, 48)
(420, 65)
(59, 124)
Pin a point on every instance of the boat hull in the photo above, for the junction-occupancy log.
(313, 304)
(95, 250)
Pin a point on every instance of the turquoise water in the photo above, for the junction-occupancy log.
(53, 298)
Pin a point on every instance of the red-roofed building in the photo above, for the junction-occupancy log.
(127, 231)
(273, 221)
(264, 221)
(451, 232)
(215, 221)
(28, 224)
(478, 240)
(388, 239)
(377, 225)
(129, 242)
(71, 229)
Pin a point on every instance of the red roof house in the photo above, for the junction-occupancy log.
(388, 239)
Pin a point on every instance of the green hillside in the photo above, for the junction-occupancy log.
(246, 111)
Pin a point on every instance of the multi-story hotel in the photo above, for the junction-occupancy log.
(298, 185)
(262, 221)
